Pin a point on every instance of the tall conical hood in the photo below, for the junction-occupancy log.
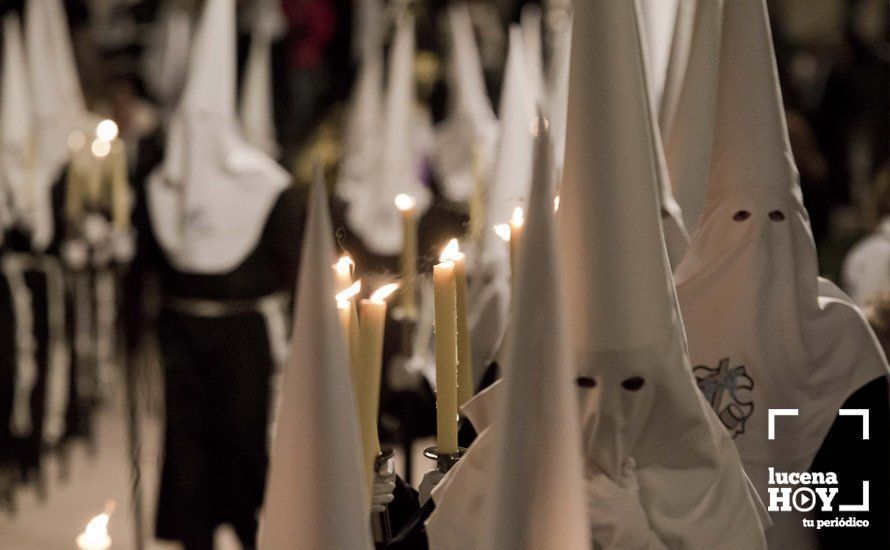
(765, 331)
(537, 501)
(530, 20)
(257, 116)
(17, 119)
(625, 326)
(512, 173)
(659, 19)
(315, 488)
(64, 54)
(466, 140)
(689, 103)
(210, 200)
(210, 85)
(752, 155)
(558, 88)
(373, 215)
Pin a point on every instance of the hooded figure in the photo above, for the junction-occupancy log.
(659, 19)
(228, 226)
(764, 330)
(372, 214)
(530, 23)
(494, 499)
(361, 142)
(257, 114)
(466, 140)
(662, 471)
(558, 87)
(316, 488)
(686, 117)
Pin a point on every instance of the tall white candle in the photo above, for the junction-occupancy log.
(446, 356)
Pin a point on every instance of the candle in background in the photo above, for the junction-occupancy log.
(96, 170)
(408, 260)
(77, 141)
(477, 200)
(343, 272)
(517, 226)
(464, 350)
(107, 131)
(446, 356)
(350, 324)
(95, 536)
(372, 317)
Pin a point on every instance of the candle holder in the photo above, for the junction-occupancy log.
(444, 462)
(381, 528)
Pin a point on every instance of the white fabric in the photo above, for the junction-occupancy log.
(166, 55)
(17, 130)
(59, 357)
(530, 20)
(14, 267)
(866, 270)
(466, 140)
(689, 102)
(558, 88)
(482, 408)
(316, 491)
(659, 18)
(256, 94)
(210, 200)
(764, 331)
(536, 499)
(625, 327)
(372, 214)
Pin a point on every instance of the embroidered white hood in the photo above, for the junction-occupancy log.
(257, 113)
(653, 437)
(210, 199)
(764, 331)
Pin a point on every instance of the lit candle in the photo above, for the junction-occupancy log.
(94, 175)
(408, 260)
(370, 360)
(464, 350)
(446, 356)
(95, 536)
(74, 177)
(517, 226)
(349, 322)
(120, 187)
(343, 272)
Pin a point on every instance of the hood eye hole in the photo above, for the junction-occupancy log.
(585, 382)
(776, 215)
(741, 215)
(633, 384)
(665, 213)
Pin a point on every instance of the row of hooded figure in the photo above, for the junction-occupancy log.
(64, 244)
(664, 361)
(638, 345)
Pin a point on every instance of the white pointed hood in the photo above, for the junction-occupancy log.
(558, 88)
(373, 215)
(466, 140)
(360, 159)
(625, 326)
(513, 168)
(16, 128)
(58, 104)
(257, 114)
(530, 19)
(537, 501)
(659, 19)
(764, 330)
(689, 103)
(315, 488)
(210, 199)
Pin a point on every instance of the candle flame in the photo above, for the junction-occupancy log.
(404, 202)
(346, 295)
(383, 292)
(344, 265)
(503, 231)
(100, 147)
(451, 251)
(518, 217)
(556, 203)
(107, 130)
(96, 533)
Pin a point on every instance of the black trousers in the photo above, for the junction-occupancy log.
(217, 374)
